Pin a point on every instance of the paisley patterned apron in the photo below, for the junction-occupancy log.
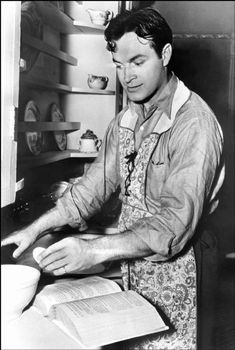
(169, 285)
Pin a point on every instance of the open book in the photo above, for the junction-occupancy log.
(95, 311)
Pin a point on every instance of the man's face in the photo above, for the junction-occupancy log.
(139, 68)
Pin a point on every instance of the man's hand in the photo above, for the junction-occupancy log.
(74, 253)
(68, 255)
(26, 237)
(23, 238)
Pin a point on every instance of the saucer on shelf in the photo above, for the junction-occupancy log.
(34, 139)
(59, 136)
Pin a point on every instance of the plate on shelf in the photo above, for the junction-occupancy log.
(34, 139)
(59, 136)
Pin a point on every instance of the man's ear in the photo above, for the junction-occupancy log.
(166, 54)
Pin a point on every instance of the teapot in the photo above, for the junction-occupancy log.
(89, 142)
(97, 82)
(100, 17)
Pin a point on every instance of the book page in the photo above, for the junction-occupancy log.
(73, 290)
(107, 319)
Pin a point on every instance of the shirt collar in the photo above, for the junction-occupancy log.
(176, 99)
(162, 102)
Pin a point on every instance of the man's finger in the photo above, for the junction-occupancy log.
(51, 258)
(53, 249)
(55, 265)
(60, 271)
(9, 240)
(18, 251)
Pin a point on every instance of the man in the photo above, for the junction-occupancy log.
(165, 152)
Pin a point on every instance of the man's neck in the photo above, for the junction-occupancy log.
(154, 97)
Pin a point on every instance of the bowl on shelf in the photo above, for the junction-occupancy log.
(97, 81)
(19, 284)
(100, 17)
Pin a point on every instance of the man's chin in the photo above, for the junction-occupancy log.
(135, 98)
(139, 101)
(140, 98)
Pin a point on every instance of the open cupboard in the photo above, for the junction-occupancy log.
(65, 48)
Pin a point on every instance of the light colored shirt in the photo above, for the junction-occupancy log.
(184, 175)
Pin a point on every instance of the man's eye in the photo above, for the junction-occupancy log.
(118, 66)
(138, 63)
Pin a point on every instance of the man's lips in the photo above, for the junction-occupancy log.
(133, 88)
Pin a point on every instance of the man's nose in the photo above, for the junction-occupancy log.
(128, 75)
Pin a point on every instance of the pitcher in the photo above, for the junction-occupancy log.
(100, 17)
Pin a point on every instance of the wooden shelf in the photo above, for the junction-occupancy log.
(51, 157)
(63, 23)
(48, 126)
(48, 49)
(76, 90)
(88, 28)
(45, 85)
(61, 88)
(75, 154)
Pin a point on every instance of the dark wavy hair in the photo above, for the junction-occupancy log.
(147, 23)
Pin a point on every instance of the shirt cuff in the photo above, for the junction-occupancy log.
(159, 241)
(70, 212)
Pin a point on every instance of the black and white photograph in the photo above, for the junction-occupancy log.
(117, 175)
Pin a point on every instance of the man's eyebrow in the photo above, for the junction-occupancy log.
(136, 57)
(115, 61)
(131, 59)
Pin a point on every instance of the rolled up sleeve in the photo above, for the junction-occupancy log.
(85, 198)
(195, 158)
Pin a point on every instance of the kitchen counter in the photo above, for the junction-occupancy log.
(33, 331)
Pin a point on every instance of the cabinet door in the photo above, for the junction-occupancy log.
(10, 47)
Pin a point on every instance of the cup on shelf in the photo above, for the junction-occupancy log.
(100, 17)
(97, 82)
(89, 142)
